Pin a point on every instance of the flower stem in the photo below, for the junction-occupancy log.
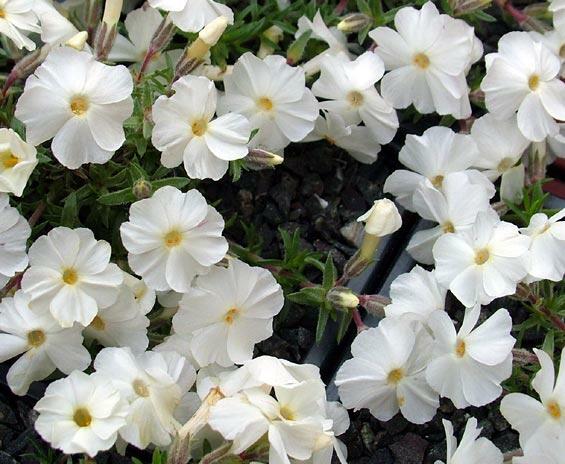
(524, 293)
(517, 14)
(358, 321)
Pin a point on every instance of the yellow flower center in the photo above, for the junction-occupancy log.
(140, 388)
(330, 140)
(481, 256)
(70, 276)
(505, 164)
(199, 127)
(140, 292)
(98, 323)
(8, 159)
(231, 315)
(36, 338)
(355, 98)
(2, 13)
(437, 181)
(79, 105)
(287, 413)
(82, 417)
(265, 103)
(401, 400)
(448, 227)
(533, 82)
(173, 239)
(553, 409)
(421, 60)
(395, 376)
(460, 348)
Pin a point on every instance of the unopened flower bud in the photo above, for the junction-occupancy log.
(374, 304)
(382, 219)
(354, 22)
(355, 265)
(461, 7)
(342, 298)
(112, 11)
(269, 38)
(77, 41)
(259, 159)
(142, 189)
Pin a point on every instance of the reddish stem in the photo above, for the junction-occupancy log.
(341, 6)
(517, 14)
(358, 321)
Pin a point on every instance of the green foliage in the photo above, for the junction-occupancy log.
(532, 203)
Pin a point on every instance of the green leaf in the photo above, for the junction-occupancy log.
(321, 325)
(549, 343)
(120, 197)
(309, 296)
(482, 16)
(364, 7)
(69, 215)
(178, 182)
(344, 321)
(328, 280)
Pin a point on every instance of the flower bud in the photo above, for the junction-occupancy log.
(259, 159)
(112, 11)
(461, 7)
(355, 265)
(342, 298)
(354, 22)
(374, 304)
(382, 219)
(77, 41)
(270, 37)
(142, 189)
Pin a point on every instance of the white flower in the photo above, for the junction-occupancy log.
(471, 449)
(17, 16)
(81, 414)
(273, 96)
(193, 15)
(120, 324)
(153, 385)
(70, 274)
(535, 419)
(349, 89)
(436, 153)
(171, 237)
(454, 208)
(185, 130)
(415, 295)
(468, 366)
(359, 141)
(144, 296)
(546, 449)
(55, 28)
(500, 144)
(17, 161)
(386, 373)
(428, 56)
(382, 218)
(78, 102)
(228, 311)
(484, 262)
(547, 260)
(14, 232)
(555, 41)
(523, 77)
(43, 345)
(557, 7)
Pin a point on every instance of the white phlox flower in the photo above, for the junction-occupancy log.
(427, 58)
(70, 275)
(523, 78)
(153, 384)
(545, 450)
(468, 365)
(144, 296)
(185, 130)
(14, 232)
(454, 208)
(56, 29)
(42, 344)
(273, 96)
(483, 262)
(17, 20)
(17, 161)
(386, 373)
(471, 449)
(555, 41)
(348, 88)
(193, 15)
(547, 259)
(171, 237)
(78, 102)
(437, 152)
(81, 414)
(228, 311)
(535, 419)
(557, 7)
(415, 295)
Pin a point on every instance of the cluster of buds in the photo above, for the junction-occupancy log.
(107, 30)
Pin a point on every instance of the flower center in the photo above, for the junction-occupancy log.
(395, 376)
(8, 160)
(173, 239)
(553, 409)
(355, 98)
(448, 227)
(2, 13)
(401, 400)
(70, 276)
(140, 388)
(265, 103)
(82, 417)
(79, 105)
(287, 413)
(437, 181)
(199, 127)
(460, 348)
(98, 323)
(533, 82)
(36, 338)
(482, 256)
(505, 164)
(231, 315)
(140, 292)
(421, 60)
